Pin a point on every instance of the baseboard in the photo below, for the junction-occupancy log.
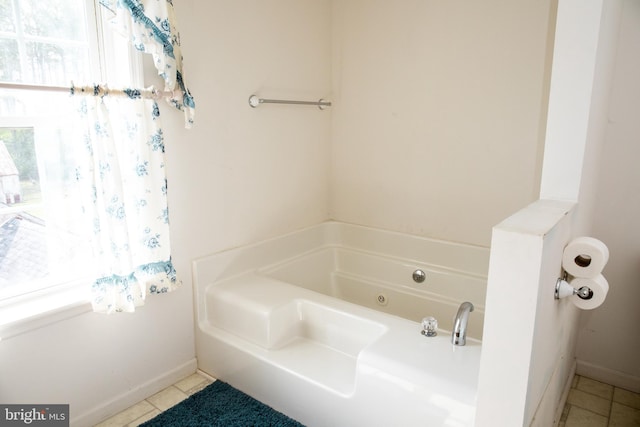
(207, 376)
(131, 397)
(609, 376)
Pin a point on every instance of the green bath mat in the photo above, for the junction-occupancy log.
(220, 405)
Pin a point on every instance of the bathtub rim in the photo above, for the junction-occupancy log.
(232, 262)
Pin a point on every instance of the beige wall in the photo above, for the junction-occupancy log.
(439, 113)
(240, 175)
(244, 174)
(608, 342)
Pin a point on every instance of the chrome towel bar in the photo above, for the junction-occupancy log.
(254, 101)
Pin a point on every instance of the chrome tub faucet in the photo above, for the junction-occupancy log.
(459, 334)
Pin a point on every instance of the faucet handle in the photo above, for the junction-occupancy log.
(429, 326)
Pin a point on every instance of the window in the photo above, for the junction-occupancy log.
(47, 43)
(44, 42)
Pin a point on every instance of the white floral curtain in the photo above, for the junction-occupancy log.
(121, 174)
(151, 27)
(122, 179)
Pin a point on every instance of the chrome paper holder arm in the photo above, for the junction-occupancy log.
(564, 289)
(255, 101)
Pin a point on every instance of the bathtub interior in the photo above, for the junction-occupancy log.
(385, 283)
(366, 266)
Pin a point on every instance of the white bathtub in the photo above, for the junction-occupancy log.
(323, 325)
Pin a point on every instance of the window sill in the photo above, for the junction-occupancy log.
(25, 314)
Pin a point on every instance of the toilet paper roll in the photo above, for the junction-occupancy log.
(585, 257)
(598, 285)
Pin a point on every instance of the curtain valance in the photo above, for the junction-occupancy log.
(151, 24)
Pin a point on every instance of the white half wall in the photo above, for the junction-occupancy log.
(529, 338)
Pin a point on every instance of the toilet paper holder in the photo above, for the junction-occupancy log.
(564, 289)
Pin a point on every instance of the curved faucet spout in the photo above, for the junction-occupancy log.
(459, 334)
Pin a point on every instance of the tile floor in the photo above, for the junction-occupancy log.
(590, 404)
(152, 406)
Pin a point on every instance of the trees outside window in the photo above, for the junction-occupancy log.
(46, 43)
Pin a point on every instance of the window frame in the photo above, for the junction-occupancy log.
(40, 306)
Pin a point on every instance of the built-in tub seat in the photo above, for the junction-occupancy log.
(294, 328)
(341, 347)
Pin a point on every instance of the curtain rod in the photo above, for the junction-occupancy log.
(96, 90)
